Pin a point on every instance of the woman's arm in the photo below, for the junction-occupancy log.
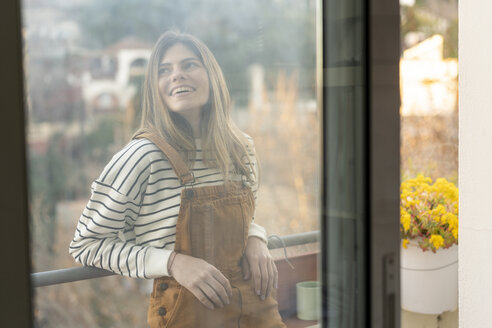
(112, 210)
(98, 238)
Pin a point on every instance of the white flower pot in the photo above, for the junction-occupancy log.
(429, 281)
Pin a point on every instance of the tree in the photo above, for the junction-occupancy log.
(280, 35)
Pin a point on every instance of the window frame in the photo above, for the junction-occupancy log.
(382, 37)
(16, 293)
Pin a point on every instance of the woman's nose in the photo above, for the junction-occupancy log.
(178, 74)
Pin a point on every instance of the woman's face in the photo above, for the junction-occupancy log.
(183, 81)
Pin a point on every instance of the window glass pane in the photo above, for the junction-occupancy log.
(85, 66)
(345, 220)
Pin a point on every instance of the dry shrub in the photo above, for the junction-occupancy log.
(286, 136)
(429, 145)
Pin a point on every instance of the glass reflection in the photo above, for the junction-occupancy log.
(85, 68)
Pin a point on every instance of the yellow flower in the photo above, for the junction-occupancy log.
(437, 241)
(429, 206)
(437, 212)
(422, 179)
(451, 220)
(404, 243)
(405, 221)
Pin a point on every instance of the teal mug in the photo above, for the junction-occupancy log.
(308, 300)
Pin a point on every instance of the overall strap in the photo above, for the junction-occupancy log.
(180, 168)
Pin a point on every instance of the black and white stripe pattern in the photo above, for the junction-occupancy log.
(129, 223)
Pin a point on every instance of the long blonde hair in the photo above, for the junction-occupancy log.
(223, 144)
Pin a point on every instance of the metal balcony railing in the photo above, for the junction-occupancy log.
(54, 277)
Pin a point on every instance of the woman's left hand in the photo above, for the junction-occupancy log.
(258, 263)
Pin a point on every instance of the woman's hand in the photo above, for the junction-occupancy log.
(258, 262)
(202, 279)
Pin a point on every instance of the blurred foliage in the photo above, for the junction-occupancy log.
(97, 144)
(57, 174)
(433, 17)
(134, 111)
(62, 173)
(289, 178)
(429, 144)
(47, 175)
(276, 34)
(451, 35)
(50, 93)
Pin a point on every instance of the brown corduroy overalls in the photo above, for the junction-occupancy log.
(212, 225)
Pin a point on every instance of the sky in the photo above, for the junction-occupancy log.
(407, 2)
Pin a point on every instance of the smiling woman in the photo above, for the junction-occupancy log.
(183, 84)
(177, 203)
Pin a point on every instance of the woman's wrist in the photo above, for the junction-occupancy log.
(256, 230)
(259, 238)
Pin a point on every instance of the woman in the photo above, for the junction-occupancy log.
(177, 203)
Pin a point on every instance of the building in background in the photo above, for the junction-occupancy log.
(428, 82)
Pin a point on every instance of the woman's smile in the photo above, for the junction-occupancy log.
(181, 91)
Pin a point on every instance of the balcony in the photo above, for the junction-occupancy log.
(305, 268)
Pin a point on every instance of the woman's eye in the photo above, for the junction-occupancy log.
(190, 65)
(163, 71)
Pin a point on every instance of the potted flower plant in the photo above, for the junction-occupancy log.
(429, 254)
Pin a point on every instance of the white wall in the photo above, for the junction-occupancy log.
(475, 166)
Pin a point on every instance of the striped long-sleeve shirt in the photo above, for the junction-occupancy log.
(129, 223)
